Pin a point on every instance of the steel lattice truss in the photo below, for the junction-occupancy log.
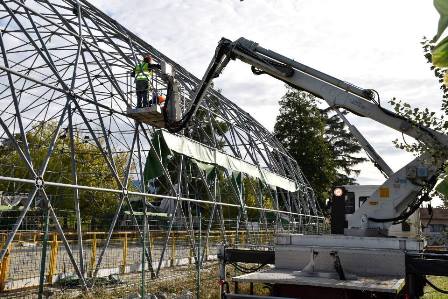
(65, 76)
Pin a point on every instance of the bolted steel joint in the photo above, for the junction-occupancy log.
(39, 182)
(71, 94)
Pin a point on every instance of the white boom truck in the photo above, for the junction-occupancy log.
(364, 262)
(347, 199)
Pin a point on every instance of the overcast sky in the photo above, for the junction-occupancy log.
(372, 44)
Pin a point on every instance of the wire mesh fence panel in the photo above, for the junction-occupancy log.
(124, 255)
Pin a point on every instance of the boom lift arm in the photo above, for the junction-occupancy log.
(402, 193)
(371, 152)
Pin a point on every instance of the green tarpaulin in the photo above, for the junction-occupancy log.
(205, 154)
(209, 169)
(153, 169)
(165, 143)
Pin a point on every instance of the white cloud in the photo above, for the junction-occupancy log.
(372, 44)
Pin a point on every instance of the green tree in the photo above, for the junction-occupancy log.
(255, 194)
(440, 48)
(319, 140)
(436, 54)
(300, 127)
(344, 148)
(92, 170)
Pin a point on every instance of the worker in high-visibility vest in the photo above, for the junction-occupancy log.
(143, 73)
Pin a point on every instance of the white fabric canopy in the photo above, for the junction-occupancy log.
(193, 149)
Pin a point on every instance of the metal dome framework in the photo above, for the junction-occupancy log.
(65, 66)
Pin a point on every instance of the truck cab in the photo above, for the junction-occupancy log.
(346, 199)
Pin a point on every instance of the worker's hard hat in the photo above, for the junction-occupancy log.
(147, 58)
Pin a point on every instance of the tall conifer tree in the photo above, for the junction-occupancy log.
(318, 140)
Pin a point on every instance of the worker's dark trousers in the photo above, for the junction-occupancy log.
(141, 88)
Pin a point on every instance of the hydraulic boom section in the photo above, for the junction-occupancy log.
(370, 151)
(402, 193)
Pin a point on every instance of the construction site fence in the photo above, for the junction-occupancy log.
(20, 268)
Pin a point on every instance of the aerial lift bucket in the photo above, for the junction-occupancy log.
(154, 114)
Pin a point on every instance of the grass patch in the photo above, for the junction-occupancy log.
(177, 282)
(440, 282)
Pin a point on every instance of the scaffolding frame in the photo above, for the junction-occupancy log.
(66, 63)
